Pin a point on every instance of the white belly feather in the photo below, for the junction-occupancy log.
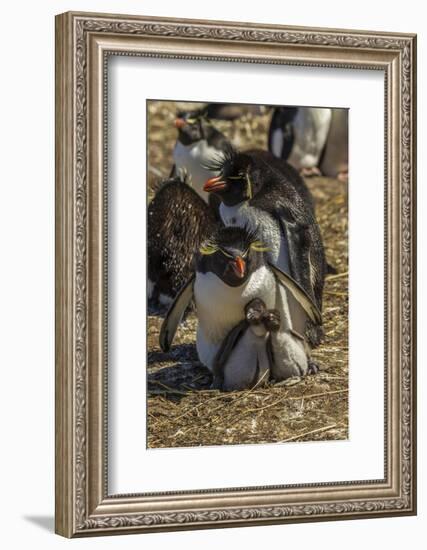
(311, 127)
(221, 307)
(190, 159)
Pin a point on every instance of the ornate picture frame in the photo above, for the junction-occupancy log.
(83, 43)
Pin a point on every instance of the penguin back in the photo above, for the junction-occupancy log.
(178, 221)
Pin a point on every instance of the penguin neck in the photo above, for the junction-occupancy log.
(237, 214)
(191, 158)
(220, 307)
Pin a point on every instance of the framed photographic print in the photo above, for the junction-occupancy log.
(235, 274)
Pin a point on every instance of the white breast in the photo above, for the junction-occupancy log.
(190, 159)
(311, 127)
(221, 307)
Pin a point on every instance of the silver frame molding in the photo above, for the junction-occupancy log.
(83, 43)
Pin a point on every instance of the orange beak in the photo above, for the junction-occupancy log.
(180, 123)
(214, 184)
(239, 267)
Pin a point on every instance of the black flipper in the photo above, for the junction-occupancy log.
(175, 314)
(306, 255)
(295, 234)
(300, 295)
(283, 119)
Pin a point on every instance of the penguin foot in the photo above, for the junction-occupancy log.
(310, 172)
(271, 320)
(217, 383)
(343, 176)
(313, 368)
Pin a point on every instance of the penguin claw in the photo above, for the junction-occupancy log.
(313, 368)
(343, 176)
(310, 172)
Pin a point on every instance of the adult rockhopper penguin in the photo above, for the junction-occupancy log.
(178, 221)
(198, 143)
(299, 135)
(257, 193)
(231, 271)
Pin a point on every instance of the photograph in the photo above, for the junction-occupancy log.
(235, 273)
(247, 274)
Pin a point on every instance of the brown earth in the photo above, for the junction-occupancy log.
(182, 410)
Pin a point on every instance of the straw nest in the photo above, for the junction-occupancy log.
(182, 410)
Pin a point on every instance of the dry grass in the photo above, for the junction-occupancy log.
(182, 410)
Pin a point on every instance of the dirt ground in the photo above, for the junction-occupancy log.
(182, 411)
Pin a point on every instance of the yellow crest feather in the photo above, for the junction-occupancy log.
(249, 187)
(259, 246)
(207, 248)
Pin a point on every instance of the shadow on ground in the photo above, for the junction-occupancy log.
(44, 522)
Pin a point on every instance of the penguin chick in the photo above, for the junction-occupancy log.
(245, 357)
(198, 143)
(178, 221)
(257, 193)
(231, 271)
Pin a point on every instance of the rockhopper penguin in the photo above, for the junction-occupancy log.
(178, 221)
(232, 271)
(334, 161)
(257, 193)
(299, 135)
(198, 143)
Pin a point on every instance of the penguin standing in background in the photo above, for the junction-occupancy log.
(255, 194)
(233, 111)
(198, 143)
(334, 161)
(178, 221)
(299, 135)
(231, 271)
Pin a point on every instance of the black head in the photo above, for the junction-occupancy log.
(237, 180)
(192, 126)
(232, 254)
